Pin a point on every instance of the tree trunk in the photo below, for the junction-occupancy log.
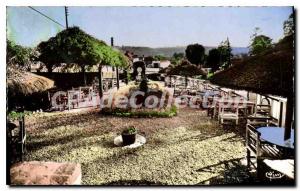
(186, 81)
(49, 69)
(83, 75)
(100, 82)
(126, 77)
(289, 117)
(117, 74)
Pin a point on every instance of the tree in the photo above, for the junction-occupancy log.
(195, 54)
(259, 42)
(75, 46)
(177, 58)
(50, 54)
(18, 55)
(214, 59)
(159, 57)
(225, 53)
(288, 25)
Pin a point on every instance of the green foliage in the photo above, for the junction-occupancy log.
(128, 76)
(126, 113)
(259, 43)
(130, 130)
(289, 26)
(177, 58)
(160, 57)
(225, 52)
(50, 54)
(18, 55)
(214, 59)
(185, 68)
(13, 115)
(75, 46)
(195, 54)
(209, 75)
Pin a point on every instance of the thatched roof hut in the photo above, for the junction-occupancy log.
(268, 73)
(271, 72)
(20, 82)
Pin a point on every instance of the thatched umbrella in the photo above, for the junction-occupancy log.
(25, 83)
(271, 72)
(185, 68)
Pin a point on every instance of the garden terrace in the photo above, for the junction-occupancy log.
(180, 150)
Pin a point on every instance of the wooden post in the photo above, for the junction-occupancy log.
(117, 73)
(117, 68)
(280, 114)
(126, 77)
(289, 117)
(83, 73)
(68, 100)
(100, 82)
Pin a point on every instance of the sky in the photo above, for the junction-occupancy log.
(150, 26)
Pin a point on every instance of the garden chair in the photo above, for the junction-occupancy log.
(258, 151)
(228, 113)
(264, 107)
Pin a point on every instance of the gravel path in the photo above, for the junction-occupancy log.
(187, 149)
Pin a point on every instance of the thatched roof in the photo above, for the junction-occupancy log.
(185, 68)
(271, 72)
(20, 82)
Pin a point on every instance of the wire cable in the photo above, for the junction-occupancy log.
(46, 16)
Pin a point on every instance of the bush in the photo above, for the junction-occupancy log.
(13, 115)
(127, 113)
(130, 130)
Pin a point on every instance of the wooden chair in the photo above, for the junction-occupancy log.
(264, 107)
(228, 113)
(259, 120)
(259, 151)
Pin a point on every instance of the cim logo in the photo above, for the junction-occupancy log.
(274, 175)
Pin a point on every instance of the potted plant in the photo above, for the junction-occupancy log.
(128, 135)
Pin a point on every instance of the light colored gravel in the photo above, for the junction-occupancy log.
(184, 150)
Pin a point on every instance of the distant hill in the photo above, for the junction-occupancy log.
(169, 51)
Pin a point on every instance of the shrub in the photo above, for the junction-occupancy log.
(141, 113)
(13, 115)
(130, 130)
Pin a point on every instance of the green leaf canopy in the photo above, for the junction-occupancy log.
(75, 46)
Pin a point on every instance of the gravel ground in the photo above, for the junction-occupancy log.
(188, 149)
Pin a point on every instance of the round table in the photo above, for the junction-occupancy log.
(275, 135)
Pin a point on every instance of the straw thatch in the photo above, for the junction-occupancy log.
(271, 72)
(24, 83)
(185, 68)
